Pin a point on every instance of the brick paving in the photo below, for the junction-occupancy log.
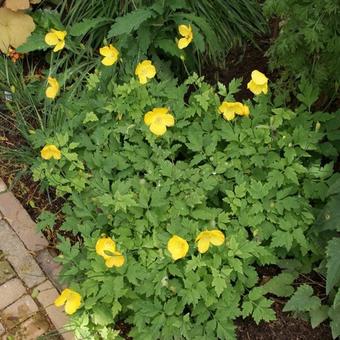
(28, 278)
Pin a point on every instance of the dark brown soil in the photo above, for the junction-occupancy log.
(286, 327)
(239, 64)
(20, 182)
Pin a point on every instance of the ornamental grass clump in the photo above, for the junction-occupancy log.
(178, 198)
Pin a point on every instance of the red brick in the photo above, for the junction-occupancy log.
(21, 222)
(19, 311)
(11, 291)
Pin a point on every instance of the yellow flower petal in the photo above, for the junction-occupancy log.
(229, 116)
(160, 110)
(53, 89)
(246, 111)
(60, 34)
(177, 247)
(108, 61)
(169, 120)
(105, 246)
(184, 30)
(110, 53)
(51, 39)
(61, 299)
(158, 129)
(71, 299)
(73, 303)
(203, 245)
(207, 237)
(183, 43)
(59, 46)
(116, 260)
(50, 151)
(259, 78)
(150, 71)
(105, 51)
(149, 117)
(56, 38)
(256, 89)
(216, 237)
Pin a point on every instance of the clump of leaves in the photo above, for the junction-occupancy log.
(252, 178)
(308, 44)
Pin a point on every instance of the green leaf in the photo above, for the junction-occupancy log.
(309, 93)
(130, 22)
(302, 300)
(280, 285)
(318, 315)
(262, 311)
(219, 283)
(35, 42)
(81, 28)
(101, 315)
(46, 220)
(282, 239)
(247, 308)
(90, 117)
(333, 263)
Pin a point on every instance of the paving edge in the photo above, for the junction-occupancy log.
(12, 212)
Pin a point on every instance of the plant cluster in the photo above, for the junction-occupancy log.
(178, 202)
(177, 192)
(145, 28)
(308, 44)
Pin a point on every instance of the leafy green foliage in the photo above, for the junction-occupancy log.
(303, 300)
(308, 44)
(333, 263)
(248, 178)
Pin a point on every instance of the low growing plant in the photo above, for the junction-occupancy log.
(179, 194)
(308, 43)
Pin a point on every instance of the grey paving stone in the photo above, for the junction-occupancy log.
(11, 291)
(18, 311)
(6, 271)
(18, 256)
(21, 222)
(50, 267)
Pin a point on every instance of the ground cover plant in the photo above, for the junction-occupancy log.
(308, 43)
(145, 28)
(178, 197)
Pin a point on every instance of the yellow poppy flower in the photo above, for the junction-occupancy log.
(50, 151)
(106, 248)
(158, 120)
(53, 88)
(186, 32)
(230, 109)
(69, 298)
(110, 55)
(145, 70)
(206, 237)
(258, 83)
(178, 247)
(56, 38)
